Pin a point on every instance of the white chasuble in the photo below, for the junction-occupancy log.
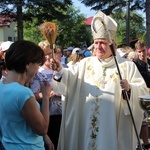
(95, 116)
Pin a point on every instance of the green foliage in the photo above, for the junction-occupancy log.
(108, 6)
(143, 37)
(70, 21)
(32, 32)
(34, 9)
(48, 9)
(73, 30)
(137, 28)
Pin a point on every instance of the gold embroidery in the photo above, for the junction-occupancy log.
(89, 68)
(103, 79)
(94, 123)
(95, 116)
(115, 80)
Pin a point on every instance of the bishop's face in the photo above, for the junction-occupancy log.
(102, 48)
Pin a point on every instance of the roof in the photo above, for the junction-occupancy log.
(6, 20)
(88, 21)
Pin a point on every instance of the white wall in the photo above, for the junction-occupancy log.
(6, 32)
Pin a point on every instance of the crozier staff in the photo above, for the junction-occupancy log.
(95, 114)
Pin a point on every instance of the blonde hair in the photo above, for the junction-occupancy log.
(127, 49)
(44, 45)
(76, 58)
(58, 48)
(132, 55)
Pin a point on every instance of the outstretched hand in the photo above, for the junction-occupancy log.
(45, 88)
(55, 64)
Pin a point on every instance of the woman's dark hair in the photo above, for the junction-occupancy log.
(2, 64)
(22, 53)
(1, 67)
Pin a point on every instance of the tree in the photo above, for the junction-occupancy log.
(51, 9)
(31, 31)
(108, 7)
(137, 28)
(73, 30)
(148, 22)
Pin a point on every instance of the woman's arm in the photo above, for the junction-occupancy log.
(48, 143)
(38, 120)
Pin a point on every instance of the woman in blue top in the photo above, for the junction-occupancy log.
(23, 123)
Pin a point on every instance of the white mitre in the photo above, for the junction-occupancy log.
(103, 26)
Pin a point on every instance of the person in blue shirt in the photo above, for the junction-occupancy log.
(23, 122)
(85, 51)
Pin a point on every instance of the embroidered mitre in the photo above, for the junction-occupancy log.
(103, 26)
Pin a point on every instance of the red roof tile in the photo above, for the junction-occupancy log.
(5, 20)
(88, 21)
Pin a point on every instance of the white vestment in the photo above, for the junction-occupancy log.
(95, 116)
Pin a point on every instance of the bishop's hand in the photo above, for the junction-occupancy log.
(55, 65)
(125, 85)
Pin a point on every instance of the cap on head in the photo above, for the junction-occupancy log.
(103, 26)
(69, 49)
(122, 52)
(84, 45)
(76, 51)
(5, 45)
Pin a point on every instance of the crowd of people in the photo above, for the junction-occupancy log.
(74, 100)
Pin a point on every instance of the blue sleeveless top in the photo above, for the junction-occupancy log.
(16, 133)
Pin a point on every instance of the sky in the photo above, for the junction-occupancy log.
(83, 9)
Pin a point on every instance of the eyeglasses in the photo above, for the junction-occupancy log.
(58, 52)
